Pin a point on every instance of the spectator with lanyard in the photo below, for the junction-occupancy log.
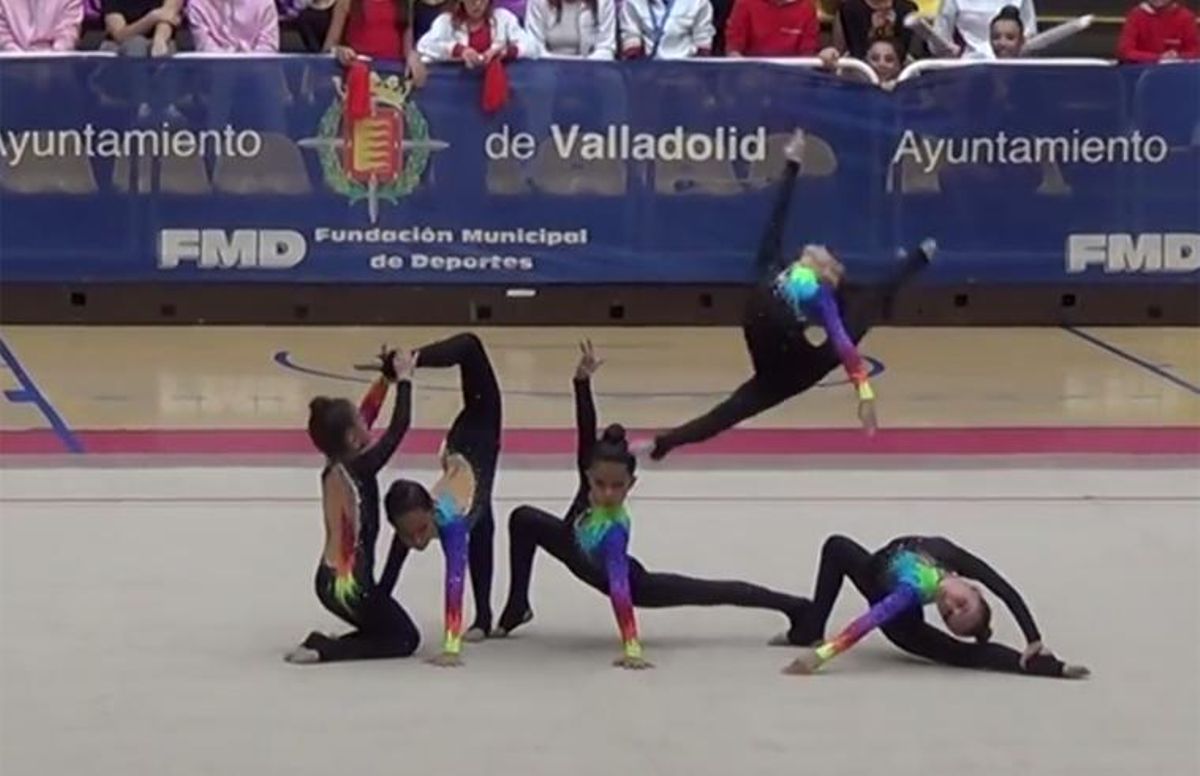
(666, 29)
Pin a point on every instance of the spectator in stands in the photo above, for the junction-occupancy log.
(475, 33)
(40, 25)
(234, 26)
(666, 29)
(425, 12)
(1008, 34)
(141, 27)
(1158, 31)
(310, 19)
(573, 28)
(380, 29)
(885, 59)
(773, 28)
(859, 23)
(969, 23)
(883, 56)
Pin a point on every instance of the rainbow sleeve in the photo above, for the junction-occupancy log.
(616, 565)
(877, 616)
(372, 402)
(831, 319)
(455, 537)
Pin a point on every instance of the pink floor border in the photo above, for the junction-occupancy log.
(1173, 440)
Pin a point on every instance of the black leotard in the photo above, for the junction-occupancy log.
(785, 362)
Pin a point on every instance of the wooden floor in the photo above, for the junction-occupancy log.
(78, 381)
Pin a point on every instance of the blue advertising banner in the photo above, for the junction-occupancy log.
(200, 169)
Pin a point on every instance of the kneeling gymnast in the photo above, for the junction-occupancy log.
(345, 582)
(592, 540)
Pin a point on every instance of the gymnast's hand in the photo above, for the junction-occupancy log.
(589, 364)
(630, 663)
(446, 660)
(866, 415)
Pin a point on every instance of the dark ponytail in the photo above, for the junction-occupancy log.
(329, 420)
(613, 446)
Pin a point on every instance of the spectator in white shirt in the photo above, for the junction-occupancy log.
(573, 28)
(971, 22)
(666, 29)
(475, 33)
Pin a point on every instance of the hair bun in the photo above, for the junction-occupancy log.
(1010, 13)
(614, 434)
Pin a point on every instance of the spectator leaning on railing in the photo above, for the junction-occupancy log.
(970, 22)
(573, 28)
(1007, 33)
(234, 26)
(475, 33)
(773, 28)
(674, 29)
(1159, 31)
(40, 25)
(141, 27)
(859, 23)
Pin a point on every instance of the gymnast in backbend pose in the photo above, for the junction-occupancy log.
(899, 580)
(458, 508)
(592, 540)
(345, 581)
(789, 296)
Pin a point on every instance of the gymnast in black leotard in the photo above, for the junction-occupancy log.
(790, 295)
(899, 580)
(469, 458)
(345, 582)
(605, 476)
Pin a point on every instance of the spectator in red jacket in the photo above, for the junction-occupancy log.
(1158, 31)
(772, 28)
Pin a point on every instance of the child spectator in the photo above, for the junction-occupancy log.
(884, 58)
(859, 23)
(970, 22)
(40, 25)
(573, 28)
(234, 26)
(1008, 35)
(475, 33)
(674, 29)
(773, 28)
(1158, 31)
(141, 27)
